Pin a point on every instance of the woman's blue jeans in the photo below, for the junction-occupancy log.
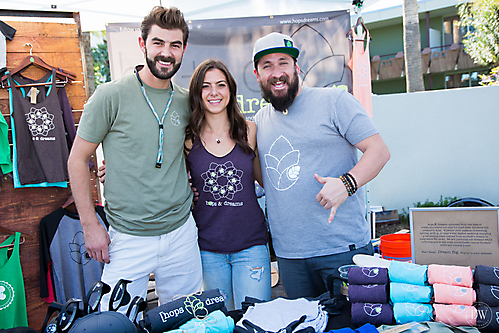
(237, 275)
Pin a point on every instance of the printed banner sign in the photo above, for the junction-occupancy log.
(321, 38)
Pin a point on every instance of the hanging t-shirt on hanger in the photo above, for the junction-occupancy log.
(5, 157)
(38, 135)
(67, 111)
(6, 32)
(12, 295)
(63, 245)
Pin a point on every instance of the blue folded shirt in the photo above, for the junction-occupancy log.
(410, 293)
(215, 322)
(405, 272)
(409, 312)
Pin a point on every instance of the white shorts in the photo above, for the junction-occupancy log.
(173, 258)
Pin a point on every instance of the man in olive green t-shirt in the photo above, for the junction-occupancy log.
(140, 121)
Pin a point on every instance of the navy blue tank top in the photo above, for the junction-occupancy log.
(41, 146)
(227, 213)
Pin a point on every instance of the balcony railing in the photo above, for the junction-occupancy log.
(452, 58)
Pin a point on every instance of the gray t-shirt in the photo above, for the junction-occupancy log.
(141, 199)
(316, 136)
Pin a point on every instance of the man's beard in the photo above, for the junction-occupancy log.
(281, 103)
(162, 73)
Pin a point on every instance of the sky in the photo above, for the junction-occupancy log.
(94, 14)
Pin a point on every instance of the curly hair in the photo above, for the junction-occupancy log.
(166, 18)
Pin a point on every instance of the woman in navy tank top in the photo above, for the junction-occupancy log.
(223, 163)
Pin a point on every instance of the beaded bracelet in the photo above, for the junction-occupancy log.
(349, 176)
(347, 185)
(349, 182)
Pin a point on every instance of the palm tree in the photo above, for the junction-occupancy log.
(412, 47)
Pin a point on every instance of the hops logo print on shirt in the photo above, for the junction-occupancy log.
(175, 118)
(409, 287)
(281, 164)
(370, 272)
(372, 310)
(416, 309)
(222, 180)
(78, 250)
(452, 276)
(494, 290)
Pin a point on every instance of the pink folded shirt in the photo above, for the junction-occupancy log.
(448, 294)
(457, 315)
(453, 275)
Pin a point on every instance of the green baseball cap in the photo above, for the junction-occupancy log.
(274, 43)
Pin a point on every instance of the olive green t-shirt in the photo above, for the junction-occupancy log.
(141, 199)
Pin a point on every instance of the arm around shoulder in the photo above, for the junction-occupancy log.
(251, 134)
(253, 144)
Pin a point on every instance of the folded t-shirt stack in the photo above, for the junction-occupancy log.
(280, 314)
(454, 295)
(214, 322)
(486, 284)
(172, 315)
(368, 293)
(409, 292)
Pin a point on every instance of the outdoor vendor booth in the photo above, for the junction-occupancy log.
(441, 276)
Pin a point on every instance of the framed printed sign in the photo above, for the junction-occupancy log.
(463, 236)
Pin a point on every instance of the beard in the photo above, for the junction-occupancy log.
(283, 101)
(162, 73)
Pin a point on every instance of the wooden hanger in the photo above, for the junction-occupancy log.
(360, 21)
(68, 203)
(11, 232)
(22, 240)
(38, 62)
(58, 84)
(8, 231)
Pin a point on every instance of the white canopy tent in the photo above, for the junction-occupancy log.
(95, 14)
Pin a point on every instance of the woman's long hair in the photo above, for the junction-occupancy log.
(238, 130)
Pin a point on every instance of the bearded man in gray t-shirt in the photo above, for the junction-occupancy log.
(307, 142)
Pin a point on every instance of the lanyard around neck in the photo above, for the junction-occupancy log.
(159, 159)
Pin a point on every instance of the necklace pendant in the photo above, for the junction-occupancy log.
(218, 140)
(285, 112)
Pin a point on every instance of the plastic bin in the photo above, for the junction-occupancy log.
(396, 247)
